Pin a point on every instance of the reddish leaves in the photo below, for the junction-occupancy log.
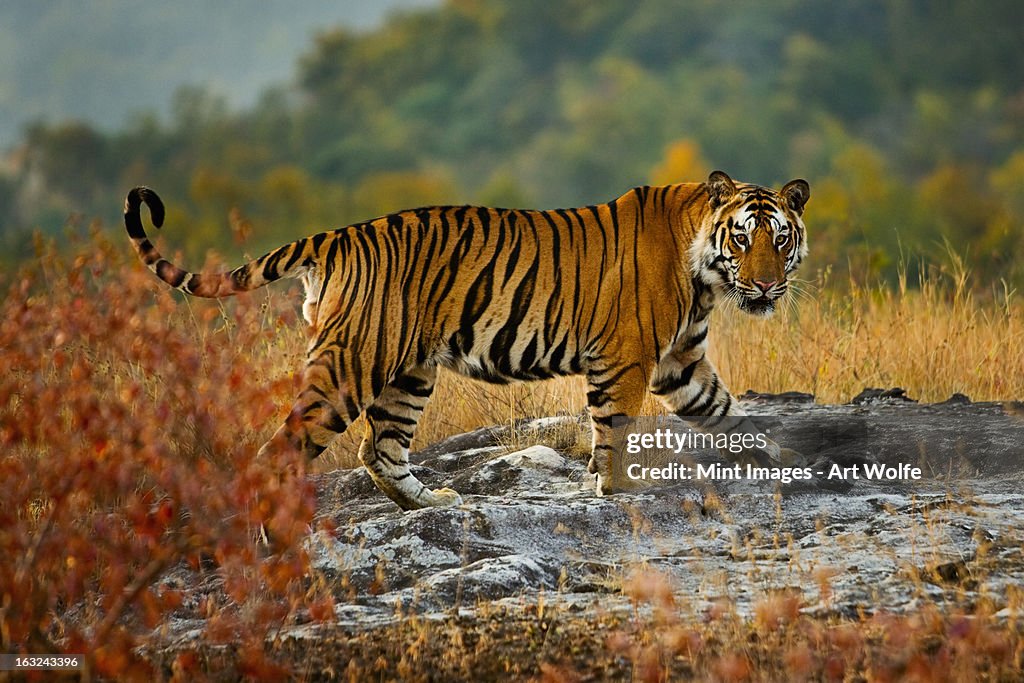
(129, 423)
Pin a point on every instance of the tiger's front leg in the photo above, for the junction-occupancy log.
(689, 386)
(615, 396)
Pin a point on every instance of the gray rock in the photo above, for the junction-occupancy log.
(879, 395)
(531, 522)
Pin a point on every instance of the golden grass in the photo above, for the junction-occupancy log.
(933, 340)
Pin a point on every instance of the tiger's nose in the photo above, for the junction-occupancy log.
(765, 286)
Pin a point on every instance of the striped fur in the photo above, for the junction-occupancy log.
(619, 292)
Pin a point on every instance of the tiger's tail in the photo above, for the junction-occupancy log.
(290, 260)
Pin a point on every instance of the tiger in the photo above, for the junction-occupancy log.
(619, 292)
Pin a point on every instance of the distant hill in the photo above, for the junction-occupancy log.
(102, 60)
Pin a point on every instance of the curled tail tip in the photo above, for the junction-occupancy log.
(142, 194)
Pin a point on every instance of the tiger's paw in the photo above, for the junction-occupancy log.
(445, 497)
(603, 486)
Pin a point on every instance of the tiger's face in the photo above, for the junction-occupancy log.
(756, 239)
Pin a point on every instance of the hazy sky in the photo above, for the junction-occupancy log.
(103, 60)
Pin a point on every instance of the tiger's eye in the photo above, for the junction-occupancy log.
(740, 239)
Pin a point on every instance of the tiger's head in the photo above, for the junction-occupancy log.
(752, 242)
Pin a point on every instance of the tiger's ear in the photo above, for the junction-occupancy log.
(796, 193)
(720, 189)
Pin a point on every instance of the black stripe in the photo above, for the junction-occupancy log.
(351, 408)
(382, 414)
(170, 273)
(696, 339)
(556, 356)
(241, 277)
(478, 299)
(317, 240)
(297, 249)
(685, 410)
(513, 257)
(727, 404)
(413, 385)
(504, 340)
(610, 381)
(597, 398)
(394, 435)
(609, 420)
(529, 354)
(702, 409)
(676, 382)
(270, 269)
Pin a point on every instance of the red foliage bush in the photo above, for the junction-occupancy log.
(129, 423)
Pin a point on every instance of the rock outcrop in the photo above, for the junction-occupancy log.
(531, 521)
(532, 528)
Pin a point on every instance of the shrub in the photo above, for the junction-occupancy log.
(128, 429)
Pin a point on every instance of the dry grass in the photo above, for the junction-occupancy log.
(934, 339)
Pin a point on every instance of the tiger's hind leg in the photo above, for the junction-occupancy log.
(324, 409)
(391, 421)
